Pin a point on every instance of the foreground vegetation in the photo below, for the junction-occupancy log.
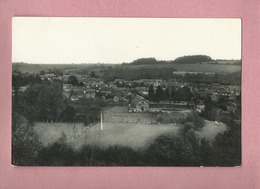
(166, 150)
(185, 149)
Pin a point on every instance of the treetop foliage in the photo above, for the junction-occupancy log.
(180, 60)
(192, 59)
(142, 61)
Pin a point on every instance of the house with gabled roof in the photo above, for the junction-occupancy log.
(74, 97)
(67, 87)
(139, 104)
(22, 89)
(200, 106)
(90, 93)
(117, 98)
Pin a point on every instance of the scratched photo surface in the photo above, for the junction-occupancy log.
(126, 92)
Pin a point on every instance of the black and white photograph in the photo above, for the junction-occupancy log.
(103, 91)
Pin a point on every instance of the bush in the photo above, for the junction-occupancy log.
(169, 150)
(57, 154)
(25, 142)
(89, 155)
(121, 155)
(187, 126)
(92, 116)
(68, 114)
(194, 118)
(112, 156)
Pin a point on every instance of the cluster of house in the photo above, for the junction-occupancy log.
(140, 82)
(118, 90)
(76, 93)
(50, 77)
(19, 90)
(216, 91)
(140, 104)
(124, 91)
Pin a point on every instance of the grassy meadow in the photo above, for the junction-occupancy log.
(124, 134)
(36, 68)
(218, 68)
(136, 130)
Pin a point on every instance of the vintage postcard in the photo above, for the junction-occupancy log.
(126, 92)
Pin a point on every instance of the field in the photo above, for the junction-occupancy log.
(211, 129)
(136, 130)
(36, 68)
(219, 68)
(126, 134)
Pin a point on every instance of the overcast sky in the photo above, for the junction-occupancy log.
(117, 40)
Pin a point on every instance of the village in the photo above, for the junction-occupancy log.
(156, 100)
(137, 95)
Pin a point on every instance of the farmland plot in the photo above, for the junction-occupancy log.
(217, 68)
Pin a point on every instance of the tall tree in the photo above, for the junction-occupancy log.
(73, 80)
(169, 92)
(29, 101)
(25, 142)
(68, 114)
(93, 74)
(50, 102)
(183, 93)
(159, 92)
(151, 91)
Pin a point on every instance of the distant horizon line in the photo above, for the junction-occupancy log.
(21, 62)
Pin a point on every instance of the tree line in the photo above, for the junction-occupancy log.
(192, 59)
(180, 60)
(145, 61)
(170, 93)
